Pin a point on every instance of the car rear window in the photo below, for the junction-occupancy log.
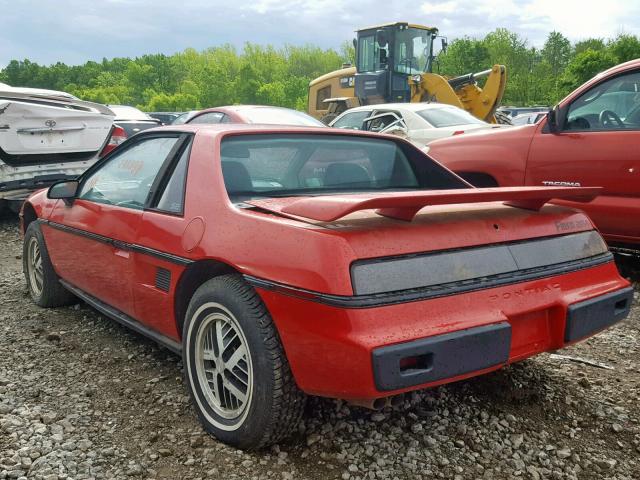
(448, 117)
(269, 165)
(131, 128)
(279, 116)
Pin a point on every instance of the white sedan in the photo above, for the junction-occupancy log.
(419, 122)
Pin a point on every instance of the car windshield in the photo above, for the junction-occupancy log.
(278, 165)
(279, 116)
(448, 117)
(412, 51)
(182, 118)
(124, 112)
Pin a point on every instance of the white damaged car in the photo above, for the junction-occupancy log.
(420, 123)
(45, 136)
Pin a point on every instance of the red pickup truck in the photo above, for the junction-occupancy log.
(591, 138)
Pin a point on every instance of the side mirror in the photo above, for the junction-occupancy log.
(355, 43)
(66, 190)
(445, 44)
(552, 120)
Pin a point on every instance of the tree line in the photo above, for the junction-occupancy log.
(267, 75)
(538, 76)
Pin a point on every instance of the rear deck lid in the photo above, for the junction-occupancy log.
(44, 124)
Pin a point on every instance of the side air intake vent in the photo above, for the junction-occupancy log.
(163, 279)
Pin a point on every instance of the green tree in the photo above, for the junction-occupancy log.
(585, 65)
(625, 48)
(589, 44)
(225, 75)
(556, 52)
(463, 55)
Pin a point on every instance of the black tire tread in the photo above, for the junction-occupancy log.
(53, 293)
(328, 118)
(288, 401)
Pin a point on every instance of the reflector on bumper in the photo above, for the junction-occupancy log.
(448, 355)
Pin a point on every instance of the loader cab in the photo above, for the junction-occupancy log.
(386, 56)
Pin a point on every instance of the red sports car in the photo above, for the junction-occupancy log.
(284, 261)
(262, 114)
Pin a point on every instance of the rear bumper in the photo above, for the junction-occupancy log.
(466, 351)
(18, 183)
(591, 316)
(441, 356)
(367, 353)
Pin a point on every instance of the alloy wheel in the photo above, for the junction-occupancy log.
(223, 364)
(34, 267)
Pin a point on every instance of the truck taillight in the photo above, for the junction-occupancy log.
(118, 135)
(458, 132)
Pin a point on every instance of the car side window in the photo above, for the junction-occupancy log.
(126, 177)
(610, 105)
(172, 198)
(381, 120)
(209, 118)
(352, 120)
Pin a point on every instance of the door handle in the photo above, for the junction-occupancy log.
(120, 249)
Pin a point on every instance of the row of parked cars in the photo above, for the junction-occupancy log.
(283, 261)
(48, 135)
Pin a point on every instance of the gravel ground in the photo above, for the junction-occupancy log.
(82, 397)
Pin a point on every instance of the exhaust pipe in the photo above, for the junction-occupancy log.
(378, 403)
(370, 403)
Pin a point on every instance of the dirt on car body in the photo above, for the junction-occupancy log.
(82, 397)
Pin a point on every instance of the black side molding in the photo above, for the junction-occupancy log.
(441, 356)
(124, 319)
(429, 292)
(591, 316)
(169, 257)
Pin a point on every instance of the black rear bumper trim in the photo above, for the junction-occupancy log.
(591, 316)
(447, 356)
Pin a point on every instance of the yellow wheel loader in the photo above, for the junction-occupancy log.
(394, 63)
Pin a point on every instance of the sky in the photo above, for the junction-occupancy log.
(75, 31)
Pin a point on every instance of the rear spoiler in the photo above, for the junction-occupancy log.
(405, 205)
(58, 99)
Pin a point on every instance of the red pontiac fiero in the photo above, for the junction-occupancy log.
(284, 261)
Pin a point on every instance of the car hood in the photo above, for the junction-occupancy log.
(481, 136)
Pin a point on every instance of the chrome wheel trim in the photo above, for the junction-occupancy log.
(223, 366)
(34, 267)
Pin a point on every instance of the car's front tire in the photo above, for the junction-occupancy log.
(43, 282)
(235, 367)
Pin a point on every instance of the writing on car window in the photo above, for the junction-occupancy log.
(126, 178)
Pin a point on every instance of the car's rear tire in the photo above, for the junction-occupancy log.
(235, 367)
(43, 282)
(328, 118)
(503, 118)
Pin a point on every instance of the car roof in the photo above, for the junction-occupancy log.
(412, 107)
(126, 112)
(239, 108)
(219, 129)
(619, 68)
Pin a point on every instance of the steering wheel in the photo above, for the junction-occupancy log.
(607, 117)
